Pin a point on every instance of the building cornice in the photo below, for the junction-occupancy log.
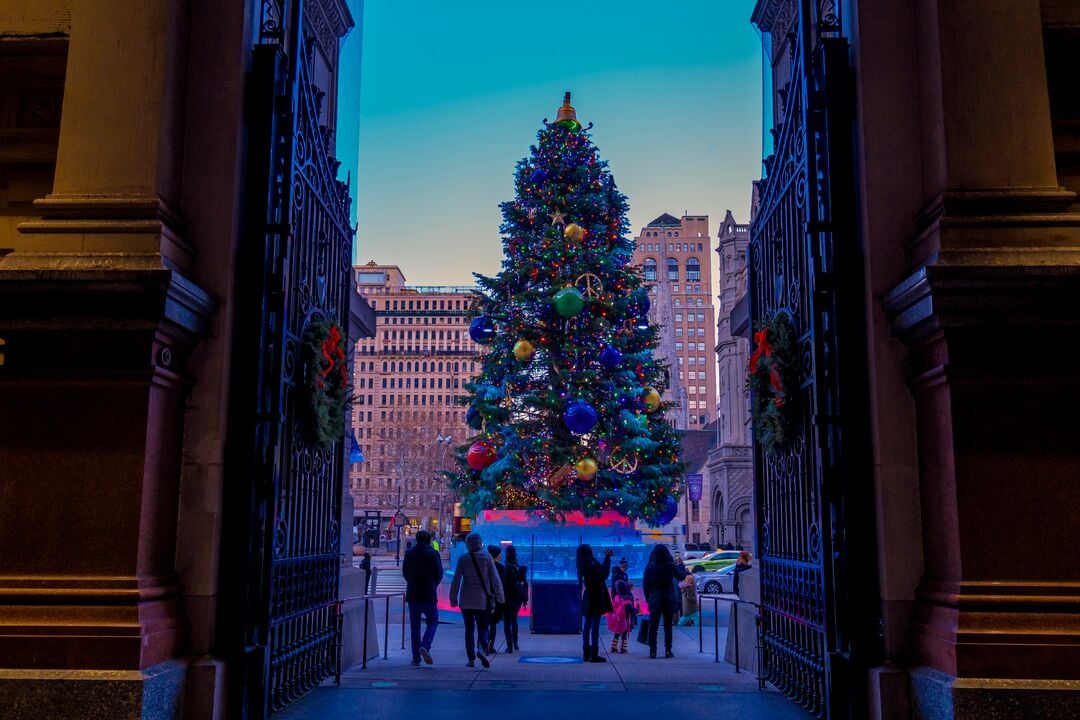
(775, 17)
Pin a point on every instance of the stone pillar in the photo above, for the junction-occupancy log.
(988, 315)
(98, 320)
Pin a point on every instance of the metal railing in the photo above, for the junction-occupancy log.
(759, 664)
(340, 612)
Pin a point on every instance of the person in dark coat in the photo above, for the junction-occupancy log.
(365, 565)
(423, 571)
(499, 610)
(516, 590)
(595, 600)
(619, 572)
(659, 586)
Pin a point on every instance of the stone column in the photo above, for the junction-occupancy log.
(98, 320)
(988, 314)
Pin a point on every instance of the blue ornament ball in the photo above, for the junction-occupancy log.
(610, 358)
(473, 419)
(667, 512)
(580, 417)
(539, 175)
(482, 329)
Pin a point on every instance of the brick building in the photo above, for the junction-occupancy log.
(409, 376)
(673, 254)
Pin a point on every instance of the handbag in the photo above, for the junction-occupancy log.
(643, 631)
(480, 576)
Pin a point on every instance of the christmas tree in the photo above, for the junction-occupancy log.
(568, 402)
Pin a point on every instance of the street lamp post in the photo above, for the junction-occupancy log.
(445, 441)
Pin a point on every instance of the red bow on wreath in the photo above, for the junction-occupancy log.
(765, 349)
(333, 354)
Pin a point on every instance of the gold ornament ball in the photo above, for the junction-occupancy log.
(586, 468)
(524, 350)
(651, 398)
(574, 232)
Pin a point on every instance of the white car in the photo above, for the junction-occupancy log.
(717, 582)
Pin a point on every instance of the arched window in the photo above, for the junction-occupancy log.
(693, 270)
(672, 269)
(650, 269)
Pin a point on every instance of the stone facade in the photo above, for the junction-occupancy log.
(965, 194)
(124, 131)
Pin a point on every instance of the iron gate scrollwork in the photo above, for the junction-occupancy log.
(812, 502)
(294, 267)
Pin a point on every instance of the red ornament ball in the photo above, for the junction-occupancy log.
(480, 455)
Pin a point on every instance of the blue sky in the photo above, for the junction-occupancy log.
(451, 94)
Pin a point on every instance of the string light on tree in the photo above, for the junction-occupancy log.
(568, 400)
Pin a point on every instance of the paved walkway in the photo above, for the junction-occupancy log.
(546, 680)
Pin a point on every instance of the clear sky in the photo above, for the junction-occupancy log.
(451, 95)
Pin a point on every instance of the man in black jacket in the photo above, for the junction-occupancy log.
(423, 571)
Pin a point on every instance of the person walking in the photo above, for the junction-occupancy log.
(595, 600)
(423, 571)
(495, 552)
(741, 565)
(661, 574)
(516, 590)
(476, 589)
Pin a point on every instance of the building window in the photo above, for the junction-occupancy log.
(695, 514)
(650, 269)
(693, 269)
(678, 317)
(678, 346)
(672, 269)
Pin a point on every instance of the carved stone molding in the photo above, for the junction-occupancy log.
(776, 17)
(328, 21)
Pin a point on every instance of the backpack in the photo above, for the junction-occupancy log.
(617, 619)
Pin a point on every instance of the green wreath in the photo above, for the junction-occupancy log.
(773, 383)
(327, 393)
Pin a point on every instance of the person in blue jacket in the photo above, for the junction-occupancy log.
(659, 586)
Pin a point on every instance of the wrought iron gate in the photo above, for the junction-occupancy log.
(294, 267)
(813, 505)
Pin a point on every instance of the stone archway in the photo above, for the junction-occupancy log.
(717, 534)
(740, 522)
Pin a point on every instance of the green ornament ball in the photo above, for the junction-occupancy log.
(569, 302)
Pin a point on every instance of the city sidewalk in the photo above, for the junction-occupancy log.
(545, 680)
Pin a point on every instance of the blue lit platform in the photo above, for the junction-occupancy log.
(549, 551)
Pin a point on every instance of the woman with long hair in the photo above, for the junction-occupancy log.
(661, 574)
(595, 601)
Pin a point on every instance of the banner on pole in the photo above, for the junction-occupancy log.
(694, 483)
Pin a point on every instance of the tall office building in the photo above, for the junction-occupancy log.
(674, 256)
(406, 417)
